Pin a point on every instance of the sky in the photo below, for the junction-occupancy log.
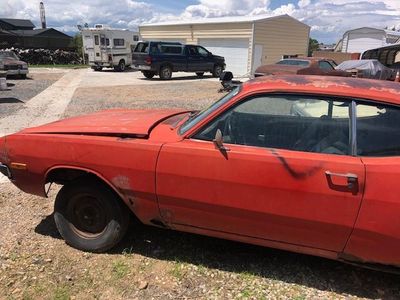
(328, 19)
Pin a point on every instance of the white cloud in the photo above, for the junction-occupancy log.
(328, 19)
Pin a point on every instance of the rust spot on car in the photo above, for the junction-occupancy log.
(296, 174)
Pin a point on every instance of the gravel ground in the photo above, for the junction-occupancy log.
(152, 263)
(191, 95)
(22, 90)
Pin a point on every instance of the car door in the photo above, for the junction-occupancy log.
(207, 63)
(287, 174)
(194, 59)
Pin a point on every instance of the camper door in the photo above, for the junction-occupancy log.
(97, 50)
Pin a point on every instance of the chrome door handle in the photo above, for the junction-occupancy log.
(352, 179)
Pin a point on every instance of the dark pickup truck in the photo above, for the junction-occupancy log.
(163, 58)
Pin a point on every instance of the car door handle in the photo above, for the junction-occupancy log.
(352, 179)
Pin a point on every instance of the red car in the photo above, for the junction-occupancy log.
(301, 163)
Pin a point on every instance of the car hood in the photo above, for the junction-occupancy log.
(11, 61)
(125, 123)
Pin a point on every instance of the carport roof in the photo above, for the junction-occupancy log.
(235, 19)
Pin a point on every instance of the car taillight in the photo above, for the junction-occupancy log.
(147, 61)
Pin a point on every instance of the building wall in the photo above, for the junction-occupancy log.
(281, 36)
(191, 33)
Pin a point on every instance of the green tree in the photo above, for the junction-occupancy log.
(313, 45)
(77, 43)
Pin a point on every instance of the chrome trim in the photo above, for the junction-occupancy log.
(5, 170)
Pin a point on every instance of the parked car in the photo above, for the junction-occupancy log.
(11, 63)
(302, 163)
(301, 66)
(162, 58)
(368, 68)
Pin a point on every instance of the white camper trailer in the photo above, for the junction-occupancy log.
(109, 48)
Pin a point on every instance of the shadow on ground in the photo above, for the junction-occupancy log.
(180, 78)
(111, 70)
(10, 100)
(292, 268)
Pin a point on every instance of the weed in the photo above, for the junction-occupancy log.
(120, 269)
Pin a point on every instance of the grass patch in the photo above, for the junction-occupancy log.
(177, 270)
(62, 293)
(119, 269)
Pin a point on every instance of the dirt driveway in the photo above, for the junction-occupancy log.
(152, 263)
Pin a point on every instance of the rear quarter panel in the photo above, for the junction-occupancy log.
(376, 236)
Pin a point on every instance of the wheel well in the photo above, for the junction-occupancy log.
(123, 60)
(64, 176)
(166, 65)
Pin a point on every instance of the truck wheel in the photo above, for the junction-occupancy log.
(121, 66)
(90, 216)
(217, 71)
(166, 72)
(148, 74)
(97, 68)
(200, 74)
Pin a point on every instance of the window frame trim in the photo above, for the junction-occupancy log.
(352, 118)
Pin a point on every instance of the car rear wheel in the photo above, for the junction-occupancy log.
(90, 216)
(217, 71)
(148, 74)
(200, 74)
(166, 72)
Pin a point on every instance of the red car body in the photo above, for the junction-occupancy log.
(343, 207)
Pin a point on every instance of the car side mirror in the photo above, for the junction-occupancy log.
(219, 141)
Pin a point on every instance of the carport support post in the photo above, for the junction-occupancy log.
(253, 43)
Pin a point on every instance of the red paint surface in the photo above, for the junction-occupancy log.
(270, 197)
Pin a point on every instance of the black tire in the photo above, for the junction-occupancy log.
(23, 76)
(148, 74)
(166, 72)
(217, 71)
(121, 66)
(200, 74)
(90, 216)
(97, 69)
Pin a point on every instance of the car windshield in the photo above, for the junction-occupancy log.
(200, 116)
(8, 55)
(293, 62)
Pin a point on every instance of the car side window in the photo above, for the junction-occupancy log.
(378, 130)
(192, 51)
(299, 123)
(202, 51)
(325, 65)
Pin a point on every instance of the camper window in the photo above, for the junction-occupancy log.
(135, 38)
(96, 40)
(102, 41)
(119, 42)
(107, 42)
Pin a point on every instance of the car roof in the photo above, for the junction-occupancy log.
(370, 89)
(307, 58)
